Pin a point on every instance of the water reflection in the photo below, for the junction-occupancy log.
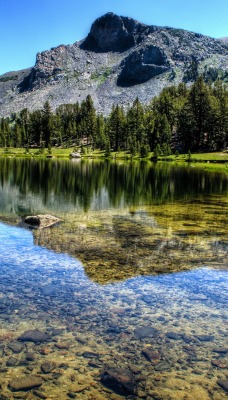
(118, 244)
(147, 337)
(33, 186)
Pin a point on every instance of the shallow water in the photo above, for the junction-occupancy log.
(115, 318)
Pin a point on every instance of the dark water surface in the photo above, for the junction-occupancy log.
(127, 296)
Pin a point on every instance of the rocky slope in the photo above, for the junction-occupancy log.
(118, 60)
(224, 39)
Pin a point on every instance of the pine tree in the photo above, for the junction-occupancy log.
(166, 105)
(16, 135)
(101, 137)
(194, 119)
(116, 128)
(24, 123)
(161, 133)
(107, 148)
(88, 120)
(136, 122)
(144, 150)
(221, 115)
(4, 129)
(47, 123)
(35, 127)
(132, 145)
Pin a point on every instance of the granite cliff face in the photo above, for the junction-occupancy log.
(114, 33)
(119, 60)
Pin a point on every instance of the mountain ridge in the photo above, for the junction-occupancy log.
(119, 60)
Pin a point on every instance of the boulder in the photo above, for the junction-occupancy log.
(218, 364)
(11, 362)
(143, 332)
(151, 355)
(34, 336)
(30, 356)
(120, 380)
(223, 383)
(90, 354)
(33, 220)
(16, 347)
(205, 338)
(173, 336)
(220, 350)
(75, 154)
(27, 383)
(48, 366)
(41, 221)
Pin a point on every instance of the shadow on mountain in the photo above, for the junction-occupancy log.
(24, 85)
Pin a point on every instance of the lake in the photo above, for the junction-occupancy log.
(126, 297)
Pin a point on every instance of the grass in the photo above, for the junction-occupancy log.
(201, 157)
(21, 152)
(216, 160)
(101, 75)
(63, 153)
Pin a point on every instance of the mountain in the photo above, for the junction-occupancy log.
(119, 60)
(224, 39)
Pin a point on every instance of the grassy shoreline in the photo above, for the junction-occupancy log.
(220, 158)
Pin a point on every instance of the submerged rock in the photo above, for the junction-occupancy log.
(173, 335)
(27, 383)
(223, 383)
(16, 347)
(163, 366)
(145, 332)
(90, 354)
(77, 389)
(34, 336)
(220, 350)
(12, 361)
(39, 394)
(30, 356)
(120, 380)
(151, 355)
(48, 366)
(205, 338)
(62, 346)
(218, 364)
(57, 332)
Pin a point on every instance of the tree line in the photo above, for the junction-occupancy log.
(180, 119)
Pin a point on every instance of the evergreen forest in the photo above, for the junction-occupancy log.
(181, 119)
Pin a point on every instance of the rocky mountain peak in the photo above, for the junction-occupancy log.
(115, 33)
(119, 60)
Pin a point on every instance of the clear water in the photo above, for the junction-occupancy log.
(132, 285)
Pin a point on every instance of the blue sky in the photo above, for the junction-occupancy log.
(28, 26)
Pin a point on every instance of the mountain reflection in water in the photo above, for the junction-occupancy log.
(168, 329)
